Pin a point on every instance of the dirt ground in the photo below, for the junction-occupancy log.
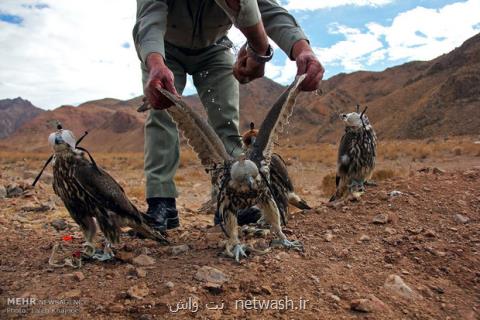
(409, 249)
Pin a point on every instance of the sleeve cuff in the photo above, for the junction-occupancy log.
(148, 47)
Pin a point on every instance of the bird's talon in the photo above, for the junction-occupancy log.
(103, 256)
(285, 243)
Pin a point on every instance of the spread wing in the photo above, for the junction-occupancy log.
(200, 135)
(105, 190)
(275, 122)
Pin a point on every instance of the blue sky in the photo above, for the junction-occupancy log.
(58, 52)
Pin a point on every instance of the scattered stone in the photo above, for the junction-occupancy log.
(14, 190)
(315, 278)
(266, 290)
(395, 193)
(72, 293)
(381, 218)
(371, 304)
(136, 272)
(124, 256)
(176, 250)
(328, 236)
(364, 238)
(116, 308)
(390, 231)
(38, 208)
(461, 218)
(170, 285)
(3, 192)
(335, 298)
(143, 260)
(438, 171)
(430, 233)
(396, 285)
(138, 291)
(383, 195)
(213, 288)
(209, 274)
(79, 276)
(59, 224)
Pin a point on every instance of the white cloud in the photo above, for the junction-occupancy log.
(70, 52)
(417, 34)
(327, 4)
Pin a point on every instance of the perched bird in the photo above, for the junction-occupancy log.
(242, 182)
(282, 186)
(356, 155)
(92, 196)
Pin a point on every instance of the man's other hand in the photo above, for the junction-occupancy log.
(247, 68)
(159, 76)
(308, 63)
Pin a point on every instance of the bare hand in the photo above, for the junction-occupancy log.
(308, 63)
(159, 77)
(247, 68)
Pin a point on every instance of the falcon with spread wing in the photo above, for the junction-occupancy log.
(92, 196)
(282, 185)
(245, 181)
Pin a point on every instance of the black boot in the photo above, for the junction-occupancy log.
(245, 216)
(162, 213)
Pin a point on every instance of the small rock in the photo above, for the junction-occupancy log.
(214, 288)
(364, 238)
(169, 285)
(371, 304)
(136, 272)
(395, 284)
(461, 218)
(143, 260)
(138, 291)
(176, 250)
(116, 308)
(335, 298)
(266, 290)
(381, 218)
(124, 256)
(430, 233)
(73, 293)
(328, 236)
(438, 171)
(59, 224)
(209, 274)
(383, 195)
(14, 190)
(79, 276)
(395, 193)
(390, 231)
(3, 192)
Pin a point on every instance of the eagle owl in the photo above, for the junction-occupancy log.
(356, 155)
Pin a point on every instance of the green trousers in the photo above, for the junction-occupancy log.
(211, 70)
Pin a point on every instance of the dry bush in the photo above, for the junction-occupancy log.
(328, 184)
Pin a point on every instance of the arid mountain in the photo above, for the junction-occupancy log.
(414, 100)
(14, 113)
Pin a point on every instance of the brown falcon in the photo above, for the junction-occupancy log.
(356, 155)
(92, 196)
(246, 181)
(282, 186)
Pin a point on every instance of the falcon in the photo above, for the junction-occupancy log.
(245, 181)
(92, 196)
(356, 155)
(282, 186)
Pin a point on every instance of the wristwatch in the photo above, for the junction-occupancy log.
(260, 58)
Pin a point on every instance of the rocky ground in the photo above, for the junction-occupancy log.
(409, 249)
